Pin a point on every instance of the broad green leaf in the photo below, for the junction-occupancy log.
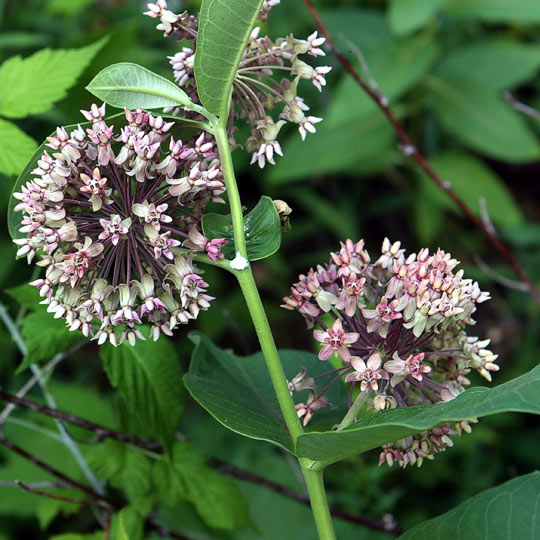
(482, 120)
(26, 296)
(23, 40)
(406, 16)
(149, 379)
(48, 509)
(505, 512)
(126, 469)
(518, 395)
(472, 181)
(366, 28)
(128, 524)
(262, 228)
(224, 28)
(515, 64)
(237, 391)
(217, 499)
(31, 85)
(132, 86)
(519, 11)
(44, 337)
(17, 148)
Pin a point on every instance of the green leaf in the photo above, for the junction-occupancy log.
(126, 469)
(48, 509)
(472, 181)
(217, 499)
(132, 86)
(518, 395)
(262, 228)
(224, 28)
(17, 148)
(237, 391)
(406, 16)
(508, 511)
(481, 120)
(366, 28)
(32, 85)
(128, 524)
(516, 63)
(44, 337)
(149, 379)
(98, 535)
(26, 296)
(68, 7)
(519, 11)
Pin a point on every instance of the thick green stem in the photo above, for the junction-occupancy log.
(313, 474)
(319, 504)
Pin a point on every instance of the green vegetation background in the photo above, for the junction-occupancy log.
(445, 66)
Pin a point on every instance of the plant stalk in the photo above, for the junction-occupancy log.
(313, 475)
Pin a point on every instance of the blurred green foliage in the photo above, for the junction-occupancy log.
(444, 66)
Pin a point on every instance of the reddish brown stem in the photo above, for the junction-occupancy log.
(382, 103)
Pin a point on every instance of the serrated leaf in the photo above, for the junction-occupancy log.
(482, 120)
(31, 85)
(48, 509)
(132, 86)
(44, 337)
(224, 28)
(518, 395)
(516, 63)
(508, 511)
(149, 379)
(17, 148)
(217, 499)
(519, 11)
(472, 180)
(237, 391)
(262, 228)
(406, 16)
(128, 524)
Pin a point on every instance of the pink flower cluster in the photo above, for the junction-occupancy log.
(256, 90)
(398, 327)
(106, 213)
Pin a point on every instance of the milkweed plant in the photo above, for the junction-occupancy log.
(112, 212)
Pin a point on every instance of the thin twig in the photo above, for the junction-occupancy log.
(521, 107)
(103, 432)
(36, 491)
(413, 151)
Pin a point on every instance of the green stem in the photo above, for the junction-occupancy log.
(319, 505)
(313, 474)
(352, 413)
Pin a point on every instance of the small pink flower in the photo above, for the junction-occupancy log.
(336, 341)
(368, 374)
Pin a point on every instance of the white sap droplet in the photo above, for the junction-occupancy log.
(239, 262)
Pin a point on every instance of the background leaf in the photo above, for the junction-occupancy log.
(482, 121)
(405, 16)
(149, 379)
(217, 499)
(508, 511)
(518, 395)
(17, 148)
(262, 226)
(224, 28)
(132, 86)
(31, 85)
(522, 11)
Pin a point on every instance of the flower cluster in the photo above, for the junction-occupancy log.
(106, 211)
(399, 328)
(267, 78)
